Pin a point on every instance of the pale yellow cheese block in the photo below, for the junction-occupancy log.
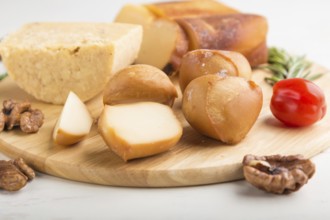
(48, 60)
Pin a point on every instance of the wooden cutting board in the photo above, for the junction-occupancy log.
(195, 160)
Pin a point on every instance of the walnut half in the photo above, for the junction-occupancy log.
(14, 174)
(278, 174)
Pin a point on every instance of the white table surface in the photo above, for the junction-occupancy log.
(300, 26)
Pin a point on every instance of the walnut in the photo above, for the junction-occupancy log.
(24, 168)
(278, 174)
(20, 114)
(31, 121)
(15, 114)
(14, 174)
(8, 105)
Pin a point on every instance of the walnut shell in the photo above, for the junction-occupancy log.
(278, 174)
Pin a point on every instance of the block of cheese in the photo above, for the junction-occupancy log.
(48, 60)
(139, 129)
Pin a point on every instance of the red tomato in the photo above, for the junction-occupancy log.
(297, 102)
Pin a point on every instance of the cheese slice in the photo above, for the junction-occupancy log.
(139, 129)
(48, 60)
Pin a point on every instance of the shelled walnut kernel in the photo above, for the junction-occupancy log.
(14, 174)
(20, 114)
(278, 174)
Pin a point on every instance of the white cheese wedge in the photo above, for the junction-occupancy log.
(74, 123)
(139, 129)
(48, 60)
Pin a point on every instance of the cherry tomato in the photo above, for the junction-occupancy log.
(297, 102)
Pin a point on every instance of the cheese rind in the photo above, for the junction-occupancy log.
(139, 129)
(48, 60)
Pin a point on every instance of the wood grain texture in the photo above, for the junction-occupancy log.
(195, 160)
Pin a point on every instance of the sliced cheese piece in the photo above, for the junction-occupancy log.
(163, 39)
(74, 122)
(139, 129)
(48, 60)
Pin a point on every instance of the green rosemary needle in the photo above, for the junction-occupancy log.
(285, 66)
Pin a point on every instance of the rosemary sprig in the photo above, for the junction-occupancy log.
(285, 66)
(3, 75)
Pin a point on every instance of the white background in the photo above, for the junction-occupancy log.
(300, 26)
